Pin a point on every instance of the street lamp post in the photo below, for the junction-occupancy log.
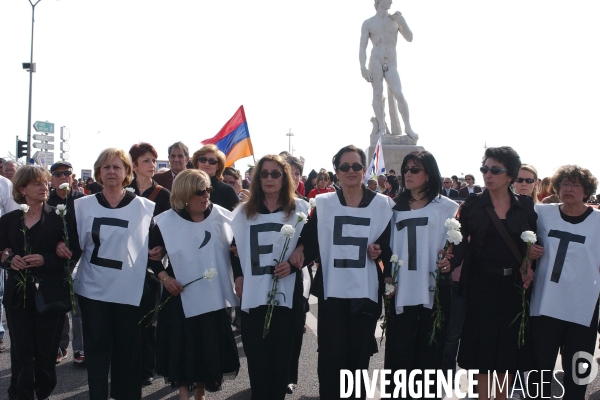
(289, 134)
(31, 68)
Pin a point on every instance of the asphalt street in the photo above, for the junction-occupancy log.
(72, 378)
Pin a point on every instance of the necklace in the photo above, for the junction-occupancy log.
(116, 202)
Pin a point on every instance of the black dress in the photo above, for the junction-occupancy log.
(489, 340)
(196, 349)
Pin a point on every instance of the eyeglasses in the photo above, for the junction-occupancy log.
(322, 178)
(528, 180)
(494, 170)
(412, 170)
(264, 174)
(211, 161)
(203, 191)
(573, 186)
(63, 173)
(449, 183)
(355, 167)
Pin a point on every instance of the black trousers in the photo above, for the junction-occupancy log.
(346, 341)
(269, 357)
(298, 335)
(148, 335)
(34, 341)
(408, 335)
(549, 335)
(112, 341)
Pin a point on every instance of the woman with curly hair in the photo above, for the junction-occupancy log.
(564, 303)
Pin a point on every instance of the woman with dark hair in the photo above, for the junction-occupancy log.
(348, 284)
(257, 226)
(392, 188)
(143, 159)
(564, 302)
(195, 344)
(323, 180)
(493, 264)
(35, 272)
(212, 161)
(418, 237)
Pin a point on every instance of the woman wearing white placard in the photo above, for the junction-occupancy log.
(348, 283)
(418, 235)
(113, 228)
(195, 344)
(564, 302)
(257, 226)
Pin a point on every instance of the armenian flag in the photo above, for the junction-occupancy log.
(234, 138)
(377, 166)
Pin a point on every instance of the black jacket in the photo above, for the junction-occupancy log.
(474, 221)
(51, 276)
(223, 195)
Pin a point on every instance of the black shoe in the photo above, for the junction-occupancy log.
(213, 386)
(148, 381)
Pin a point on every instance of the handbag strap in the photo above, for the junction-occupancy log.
(155, 192)
(504, 233)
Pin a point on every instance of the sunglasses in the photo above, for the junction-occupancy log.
(355, 167)
(412, 170)
(528, 180)
(204, 191)
(264, 174)
(63, 173)
(211, 161)
(494, 170)
(322, 178)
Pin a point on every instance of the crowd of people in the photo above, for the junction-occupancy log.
(156, 267)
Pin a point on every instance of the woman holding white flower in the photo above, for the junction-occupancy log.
(564, 302)
(30, 235)
(195, 344)
(348, 283)
(418, 235)
(262, 227)
(493, 264)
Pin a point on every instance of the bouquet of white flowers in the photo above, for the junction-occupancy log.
(389, 288)
(455, 237)
(288, 232)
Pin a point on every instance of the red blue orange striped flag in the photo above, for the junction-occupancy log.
(234, 138)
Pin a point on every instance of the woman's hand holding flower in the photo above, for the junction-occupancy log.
(374, 251)
(283, 269)
(535, 251)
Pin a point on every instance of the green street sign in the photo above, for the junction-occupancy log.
(40, 126)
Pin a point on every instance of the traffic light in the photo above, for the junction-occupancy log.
(21, 148)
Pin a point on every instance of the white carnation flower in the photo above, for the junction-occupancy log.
(400, 263)
(209, 274)
(287, 231)
(130, 189)
(312, 203)
(529, 237)
(389, 288)
(24, 208)
(301, 217)
(394, 258)
(452, 223)
(454, 236)
(64, 186)
(61, 207)
(37, 285)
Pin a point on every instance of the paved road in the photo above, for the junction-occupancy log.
(72, 379)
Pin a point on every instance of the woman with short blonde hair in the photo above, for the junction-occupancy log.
(195, 343)
(113, 228)
(109, 154)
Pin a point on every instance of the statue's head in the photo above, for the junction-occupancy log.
(385, 4)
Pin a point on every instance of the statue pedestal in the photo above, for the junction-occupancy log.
(395, 148)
